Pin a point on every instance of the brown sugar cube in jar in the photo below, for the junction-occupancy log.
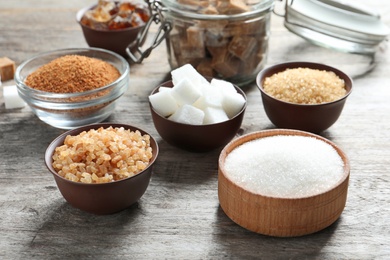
(187, 46)
(196, 3)
(242, 47)
(255, 61)
(195, 37)
(7, 69)
(215, 27)
(225, 64)
(232, 7)
(204, 68)
(210, 10)
(215, 40)
(254, 28)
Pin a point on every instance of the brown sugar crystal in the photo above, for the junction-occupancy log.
(7, 69)
(71, 74)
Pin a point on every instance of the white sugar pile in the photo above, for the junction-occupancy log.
(284, 166)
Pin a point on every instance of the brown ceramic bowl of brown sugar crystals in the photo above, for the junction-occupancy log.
(113, 25)
(98, 180)
(69, 88)
(303, 95)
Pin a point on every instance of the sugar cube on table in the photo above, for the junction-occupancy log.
(163, 102)
(7, 69)
(213, 115)
(11, 98)
(188, 114)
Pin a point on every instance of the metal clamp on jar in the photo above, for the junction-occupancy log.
(221, 39)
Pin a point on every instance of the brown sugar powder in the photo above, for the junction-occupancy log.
(71, 74)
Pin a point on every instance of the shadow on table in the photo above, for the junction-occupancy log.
(239, 243)
(69, 232)
(181, 167)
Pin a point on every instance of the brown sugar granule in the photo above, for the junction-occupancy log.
(72, 73)
(305, 86)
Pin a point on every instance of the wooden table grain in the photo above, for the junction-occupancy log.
(179, 216)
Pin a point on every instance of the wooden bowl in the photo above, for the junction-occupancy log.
(281, 217)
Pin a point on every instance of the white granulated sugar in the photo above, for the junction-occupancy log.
(285, 166)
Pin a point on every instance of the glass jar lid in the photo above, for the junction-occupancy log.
(340, 25)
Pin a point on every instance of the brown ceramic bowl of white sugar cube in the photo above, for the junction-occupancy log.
(197, 138)
(283, 182)
(288, 103)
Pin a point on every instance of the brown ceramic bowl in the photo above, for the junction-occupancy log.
(113, 40)
(313, 118)
(287, 216)
(196, 138)
(104, 198)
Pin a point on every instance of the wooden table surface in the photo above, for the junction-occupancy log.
(179, 216)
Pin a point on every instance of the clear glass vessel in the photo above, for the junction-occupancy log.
(70, 110)
(227, 42)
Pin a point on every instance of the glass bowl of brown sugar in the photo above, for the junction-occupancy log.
(70, 88)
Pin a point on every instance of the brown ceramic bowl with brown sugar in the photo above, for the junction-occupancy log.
(114, 40)
(314, 118)
(102, 198)
(197, 138)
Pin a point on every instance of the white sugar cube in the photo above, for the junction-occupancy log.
(233, 103)
(214, 115)
(163, 102)
(211, 97)
(225, 86)
(185, 92)
(188, 114)
(12, 98)
(189, 72)
(164, 88)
